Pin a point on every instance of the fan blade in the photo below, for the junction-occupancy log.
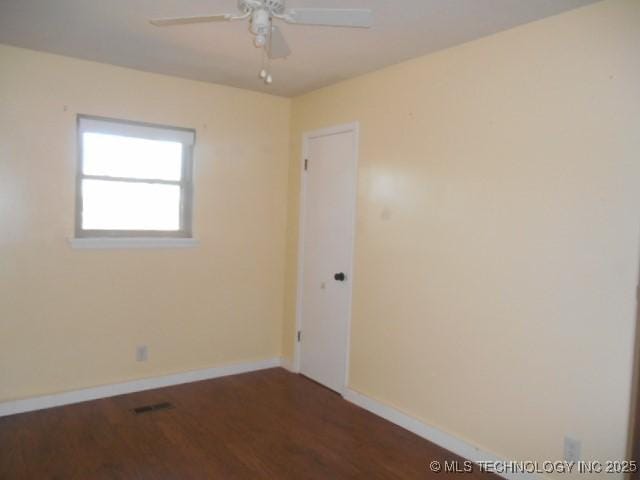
(168, 22)
(331, 17)
(278, 47)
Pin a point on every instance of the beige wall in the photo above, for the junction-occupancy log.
(497, 232)
(70, 318)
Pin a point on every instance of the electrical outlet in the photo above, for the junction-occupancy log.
(572, 449)
(142, 353)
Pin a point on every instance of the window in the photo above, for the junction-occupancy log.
(133, 179)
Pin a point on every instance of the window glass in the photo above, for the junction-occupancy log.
(130, 157)
(112, 205)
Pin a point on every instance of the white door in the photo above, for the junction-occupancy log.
(328, 211)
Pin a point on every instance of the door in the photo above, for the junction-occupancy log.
(328, 213)
(635, 414)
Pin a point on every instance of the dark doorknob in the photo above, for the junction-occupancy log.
(341, 277)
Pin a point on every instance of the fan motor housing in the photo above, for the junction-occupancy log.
(273, 6)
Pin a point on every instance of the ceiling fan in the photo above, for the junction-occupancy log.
(262, 13)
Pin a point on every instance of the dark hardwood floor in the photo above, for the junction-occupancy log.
(264, 425)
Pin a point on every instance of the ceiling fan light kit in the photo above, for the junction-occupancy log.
(261, 15)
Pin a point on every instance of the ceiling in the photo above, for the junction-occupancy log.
(117, 32)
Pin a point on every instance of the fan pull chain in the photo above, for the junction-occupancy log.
(263, 69)
(265, 72)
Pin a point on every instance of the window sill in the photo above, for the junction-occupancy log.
(132, 243)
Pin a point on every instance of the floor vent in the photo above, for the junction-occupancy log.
(152, 408)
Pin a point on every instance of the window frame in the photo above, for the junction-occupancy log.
(185, 184)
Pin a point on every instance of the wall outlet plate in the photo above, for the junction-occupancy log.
(572, 448)
(142, 353)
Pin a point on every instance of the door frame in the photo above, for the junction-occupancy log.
(354, 128)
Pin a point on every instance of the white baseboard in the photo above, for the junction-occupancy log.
(434, 435)
(287, 364)
(76, 396)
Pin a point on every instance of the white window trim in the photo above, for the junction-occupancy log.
(94, 243)
(137, 239)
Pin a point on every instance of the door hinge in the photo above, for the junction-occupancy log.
(299, 335)
(306, 164)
